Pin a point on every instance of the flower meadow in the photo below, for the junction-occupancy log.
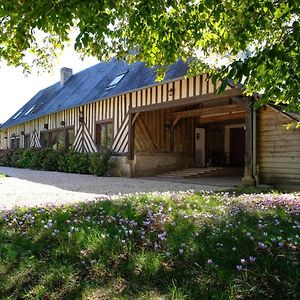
(154, 246)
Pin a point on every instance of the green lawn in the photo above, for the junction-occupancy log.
(154, 246)
(2, 175)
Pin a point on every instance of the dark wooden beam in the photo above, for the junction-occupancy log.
(220, 118)
(236, 92)
(130, 154)
(248, 175)
(210, 111)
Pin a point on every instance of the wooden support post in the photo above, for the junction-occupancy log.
(130, 155)
(248, 174)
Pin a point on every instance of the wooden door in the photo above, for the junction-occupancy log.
(237, 147)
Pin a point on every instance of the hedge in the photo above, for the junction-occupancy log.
(99, 164)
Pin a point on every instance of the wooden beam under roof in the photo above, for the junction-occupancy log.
(221, 118)
(209, 111)
(216, 113)
(189, 101)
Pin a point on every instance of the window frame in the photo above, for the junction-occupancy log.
(67, 144)
(15, 142)
(98, 140)
(112, 84)
(27, 135)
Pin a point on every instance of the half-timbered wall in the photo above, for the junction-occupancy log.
(114, 109)
(278, 149)
(157, 124)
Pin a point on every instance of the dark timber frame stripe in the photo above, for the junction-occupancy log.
(83, 140)
(120, 144)
(35, 141)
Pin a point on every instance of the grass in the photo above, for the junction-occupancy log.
(154, 246)
(2, 175)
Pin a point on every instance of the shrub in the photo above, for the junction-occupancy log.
(5, 157)
(56, 160)
(36, 161)
(25, 158)
(16, 157)
(102, 163)
(78, 162)
(51, 159)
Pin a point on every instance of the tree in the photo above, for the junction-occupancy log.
(259, 38)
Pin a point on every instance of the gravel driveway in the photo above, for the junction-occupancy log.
(26, 187)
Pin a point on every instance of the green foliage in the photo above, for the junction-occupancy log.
(260, 39)
(78, 162)
(5, 157)
(102, 163)
(154, 246)
(55, 160)
(15, 160)
(37, 159)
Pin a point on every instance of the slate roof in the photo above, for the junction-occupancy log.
(90, 85)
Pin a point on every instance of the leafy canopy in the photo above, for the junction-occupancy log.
(259, 39)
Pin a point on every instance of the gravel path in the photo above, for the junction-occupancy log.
(26, 187)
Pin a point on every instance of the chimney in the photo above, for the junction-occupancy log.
(65, 74)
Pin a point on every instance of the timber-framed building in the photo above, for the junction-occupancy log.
(157, 127)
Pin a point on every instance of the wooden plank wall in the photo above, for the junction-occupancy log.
(116, 109)
(278, 148)
(153, 133)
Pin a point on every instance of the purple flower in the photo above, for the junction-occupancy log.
(262, 245)
(280, 245)
(252, 259)
(243, 261)
(209, 261)
(239, 267)
(180, 251)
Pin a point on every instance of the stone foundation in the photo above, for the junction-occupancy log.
(149, 164)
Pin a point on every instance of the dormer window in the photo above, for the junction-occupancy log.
(116, 80)
(29, 110)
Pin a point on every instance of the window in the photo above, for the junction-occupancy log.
(29, 110)
(27, 141)
(17, 115)
(44, 139)
(70, 137)
(15, 142)
(117, 79)
(104, 135)
(58, 139)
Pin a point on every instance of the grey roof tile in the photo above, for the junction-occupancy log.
(90, 85)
